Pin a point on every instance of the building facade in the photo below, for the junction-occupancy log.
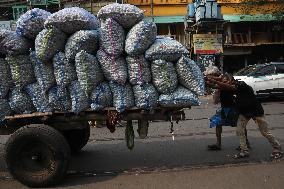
(253, 32)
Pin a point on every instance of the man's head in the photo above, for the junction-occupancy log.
(213, 71)
(228, 78)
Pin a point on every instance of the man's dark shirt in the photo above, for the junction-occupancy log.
(246, 101)
(227, 99)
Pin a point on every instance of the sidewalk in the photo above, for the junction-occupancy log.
(250, 176)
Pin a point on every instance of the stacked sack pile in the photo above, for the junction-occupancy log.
(71, 61)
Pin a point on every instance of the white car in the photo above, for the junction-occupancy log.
(266, 79)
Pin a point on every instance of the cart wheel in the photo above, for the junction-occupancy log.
(37, 155)
(77, 138)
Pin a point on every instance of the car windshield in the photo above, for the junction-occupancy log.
(247, 70)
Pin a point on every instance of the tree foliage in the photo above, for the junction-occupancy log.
(250, 7)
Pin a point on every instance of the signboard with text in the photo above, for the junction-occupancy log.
(207, 43)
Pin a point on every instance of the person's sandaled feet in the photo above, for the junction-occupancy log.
(276, 155)
(241, 155)
(239, 148)
(213, 147)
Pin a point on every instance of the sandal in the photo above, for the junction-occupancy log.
(276, 155)
(241, 155)
(239, 148)
(214, 147)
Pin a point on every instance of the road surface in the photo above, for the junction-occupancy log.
(182, 161)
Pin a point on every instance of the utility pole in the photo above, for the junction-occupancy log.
(152, 9)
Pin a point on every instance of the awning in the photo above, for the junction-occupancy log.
(250, 18)
(166, 19)
(236, 51)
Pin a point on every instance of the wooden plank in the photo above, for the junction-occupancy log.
(36, 114)
(87, 112)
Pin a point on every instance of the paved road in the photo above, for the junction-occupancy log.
(161, 162)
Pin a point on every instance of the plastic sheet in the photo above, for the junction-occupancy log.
(20, 102)
(112, 37)
(43, 72)
(164, 76)
(146, 96)
(13, 44)
(64, 70)
(181, 97)
(123, 97)
(125, 14)
(21, 70)
(87, 40)
(114, 69)
(190, 76)
(39, 99)
(5, 109)
(59, 98)
(32, 22)
(166, 49)
(70, 20)
(5, 78)
(101, 97)
(138, 70)
(48, 42)
(88, 71)
(140, 37)
(80, 101)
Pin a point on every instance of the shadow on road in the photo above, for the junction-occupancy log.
(106, 161)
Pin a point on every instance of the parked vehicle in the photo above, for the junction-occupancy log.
(266, 79)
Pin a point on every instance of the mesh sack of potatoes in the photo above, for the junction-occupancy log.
(70, 20)
(5, 78)
(101, 97)
(146, 96)
(181, 97)
(5, 109)
(48, 42)
(114, 69)
(87, 40)
(165, 49)
(21, 70)
(20, 102)
(123, 97)
(138, 70)
(64, 70)
(79, 98)
(39, 99)
(3, 34)
(190, 76)
(31, 22)
(88, 70)
(140, 37)
(164, 76)
(125, 14)
(14, 44)
(112, 37)
(59, 98)
(43, 72)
